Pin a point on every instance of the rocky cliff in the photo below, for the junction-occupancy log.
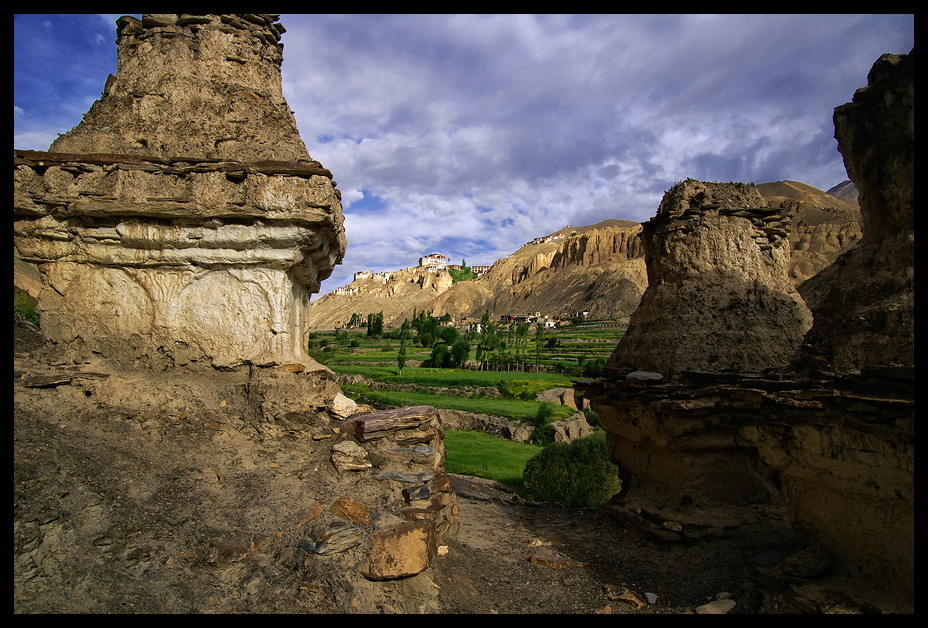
(599, 268)
(870, 294)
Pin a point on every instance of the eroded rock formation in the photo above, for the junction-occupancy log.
(182, 222)
(825, 443)
(718, 261)
(180, 230)
(864, 306)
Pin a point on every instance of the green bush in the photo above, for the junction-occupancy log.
(575, 475)
(591, 417)
(523, 389)
(543, 434)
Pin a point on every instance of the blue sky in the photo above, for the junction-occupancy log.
(469, 135)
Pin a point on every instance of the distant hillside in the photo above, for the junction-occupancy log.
(597, 268)
(823, 226)
(845, 191)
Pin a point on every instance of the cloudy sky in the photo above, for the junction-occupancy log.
(469, 135)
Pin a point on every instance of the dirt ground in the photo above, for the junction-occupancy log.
(201, 512)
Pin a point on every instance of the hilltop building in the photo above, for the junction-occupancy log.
(433, 261)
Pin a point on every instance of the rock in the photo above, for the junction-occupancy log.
(571, 429)
(347, 508)
(417, 423)
(722, 278)
(717, 607)
(349, 456)
(402, 551)
(810, 562)
(644, 376)
(560, 396)
(864, 306)
(626, 595)
(342, 406)
(334, 538)
(546, 557)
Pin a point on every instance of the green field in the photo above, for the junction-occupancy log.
(578, 350)
(474, 453)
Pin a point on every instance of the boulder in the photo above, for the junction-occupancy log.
(571, 429)
(560, 396)
(401, 551)
(342, 406)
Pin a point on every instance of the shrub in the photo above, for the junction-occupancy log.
(575, 475)
(523, 389)
(591, 417)
(543, 434)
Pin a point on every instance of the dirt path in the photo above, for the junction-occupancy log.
(584, 561)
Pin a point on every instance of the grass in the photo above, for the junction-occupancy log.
(509, 408)
(480, 455)
(454, 378)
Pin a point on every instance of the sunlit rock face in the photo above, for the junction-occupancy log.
(182, 222)
(203, 86)
(718, 261)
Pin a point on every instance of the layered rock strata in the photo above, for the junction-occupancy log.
(826, 443)
(176, 261)
(182, 222)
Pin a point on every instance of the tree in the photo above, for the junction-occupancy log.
(449, 334)
(489, 340)
(460, 350)
(539, 337)
(441, 356)
(375, 325)
(404, 338)
(521, 342)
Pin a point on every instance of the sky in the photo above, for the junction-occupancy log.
(469, 135)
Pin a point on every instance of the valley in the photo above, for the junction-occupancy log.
(599, 269)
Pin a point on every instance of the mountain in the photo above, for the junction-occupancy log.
(823, 227)
(598, 268)
(845, 191)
